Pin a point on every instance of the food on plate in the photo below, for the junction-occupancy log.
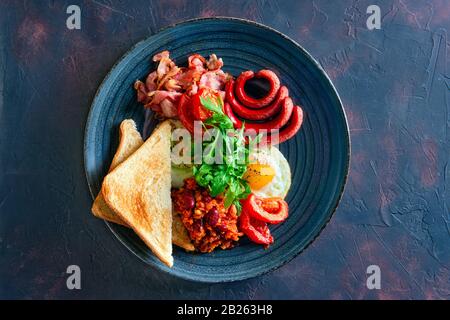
(179, 174)
(221, 171)
(242, 95)
(270, 210)
(252, 114)
(138, 190)
(273, 111)
(129, 141)
(257, 213)
(210, 224)
(180, 236)
(164, 87)
(268, 173)
(256, 230)
(226, 194)
(235, 179)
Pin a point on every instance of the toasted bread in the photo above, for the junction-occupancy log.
(138, 190)
(129, 141)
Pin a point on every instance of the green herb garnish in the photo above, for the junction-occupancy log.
(224, 177)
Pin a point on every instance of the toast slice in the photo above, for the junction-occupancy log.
(138, 190)
(129, 141)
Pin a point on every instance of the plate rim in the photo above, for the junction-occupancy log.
(310, 58)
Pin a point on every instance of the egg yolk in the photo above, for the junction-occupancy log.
(259, 175)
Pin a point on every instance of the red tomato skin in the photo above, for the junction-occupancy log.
(185, 113)
(256, 231)
(200, 112)
(255, 207)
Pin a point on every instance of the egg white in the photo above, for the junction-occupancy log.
(281, 182)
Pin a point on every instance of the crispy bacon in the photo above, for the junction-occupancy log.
(159, 95)
(196, 62)
(214, 63)
(142, 92)
(159, 56)
(213, 79)
(172, 85)
(169, 108)
(150, 81)
(164, 86)
(193, 89)
(164, 102)
(188, 77)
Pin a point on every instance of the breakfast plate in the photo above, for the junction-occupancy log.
(318, 154)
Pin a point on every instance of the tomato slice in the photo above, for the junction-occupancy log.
(257, 231)
(199, 111)
(185, 113)
(270, 210)
(271, 205)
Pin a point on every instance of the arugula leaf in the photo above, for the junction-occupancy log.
(224, 178)
(219, 119)
(214, 106)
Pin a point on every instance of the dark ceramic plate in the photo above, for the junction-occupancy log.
(318, 155)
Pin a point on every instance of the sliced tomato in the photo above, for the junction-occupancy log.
(257, 231)
(271, 205)
(199, 111)
(185, 113)
(270, 210)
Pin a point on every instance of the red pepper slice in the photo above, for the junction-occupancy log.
(185, 113)
(252, 102)
(277, 209)
(256, 231)
(291, 128)
(199, 111)
(252, 114)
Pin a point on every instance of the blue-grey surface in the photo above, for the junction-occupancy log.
(394, 84)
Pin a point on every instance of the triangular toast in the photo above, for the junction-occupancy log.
(129, 141)
(138, 190)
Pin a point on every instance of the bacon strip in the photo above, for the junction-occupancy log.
(163, 87)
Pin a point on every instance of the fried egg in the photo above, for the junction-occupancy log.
(268, 173)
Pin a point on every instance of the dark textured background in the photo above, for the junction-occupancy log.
(394, 84)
